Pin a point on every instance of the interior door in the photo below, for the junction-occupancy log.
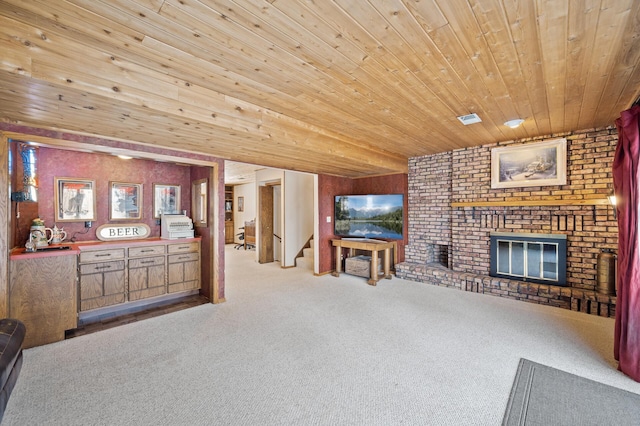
(265, 254)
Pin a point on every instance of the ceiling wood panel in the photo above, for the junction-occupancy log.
(338, 87)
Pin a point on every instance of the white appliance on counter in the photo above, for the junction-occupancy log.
(176, 226)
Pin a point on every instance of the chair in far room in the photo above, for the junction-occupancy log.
(249, 235)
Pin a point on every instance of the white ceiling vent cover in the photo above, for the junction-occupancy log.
(469, 119)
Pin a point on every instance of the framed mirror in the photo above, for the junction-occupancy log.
(199, 192)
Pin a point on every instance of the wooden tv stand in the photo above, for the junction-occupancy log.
(372, 246)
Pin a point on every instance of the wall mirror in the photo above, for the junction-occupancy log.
(199, 190)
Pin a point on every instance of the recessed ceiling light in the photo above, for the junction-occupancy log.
(124, 157)
(514, 123)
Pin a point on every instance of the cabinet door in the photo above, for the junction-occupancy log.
(146, 277)
(102, 284)
(228, 232)
(184, 272)
(43, 295)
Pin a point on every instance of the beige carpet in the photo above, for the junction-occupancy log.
(288, 348)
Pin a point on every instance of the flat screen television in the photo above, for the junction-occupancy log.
(369, 216)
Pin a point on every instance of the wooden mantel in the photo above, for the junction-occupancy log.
(526, 203)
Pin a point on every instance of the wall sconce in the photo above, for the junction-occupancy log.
(612, 200)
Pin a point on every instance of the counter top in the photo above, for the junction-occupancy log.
(19, 253)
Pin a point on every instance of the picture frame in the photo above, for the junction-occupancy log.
(533, 164)
(166, 199)
(125, 201)
(75, 199)
(240, 204)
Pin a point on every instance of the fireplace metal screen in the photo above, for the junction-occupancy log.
(540, 258)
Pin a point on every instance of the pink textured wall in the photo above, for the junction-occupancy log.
(103, 169)
(330, 186)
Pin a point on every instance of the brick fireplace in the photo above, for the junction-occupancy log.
(452, 212)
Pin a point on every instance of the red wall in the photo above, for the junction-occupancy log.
(330, 186)
(103, 169)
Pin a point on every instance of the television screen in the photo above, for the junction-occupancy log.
(369, 216)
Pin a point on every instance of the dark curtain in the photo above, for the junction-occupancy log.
(625, 182)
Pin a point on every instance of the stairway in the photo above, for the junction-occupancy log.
(306, 261)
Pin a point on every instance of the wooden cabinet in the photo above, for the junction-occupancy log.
(136, 272)
(50, 293)
(184, 266)
(228, 215)
(146, 267)
(102, 276)
(228, 233)
(43, 295)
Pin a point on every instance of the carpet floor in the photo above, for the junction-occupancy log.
(288, 348)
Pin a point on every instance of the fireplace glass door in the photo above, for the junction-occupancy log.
(529, 259)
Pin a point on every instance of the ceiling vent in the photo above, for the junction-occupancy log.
(469, 119)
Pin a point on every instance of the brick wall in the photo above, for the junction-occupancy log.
(429, 203)
(463, 233)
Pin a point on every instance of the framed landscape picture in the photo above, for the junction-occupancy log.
(533, 164)
(166, 199)
(75, 200)
(125, 201)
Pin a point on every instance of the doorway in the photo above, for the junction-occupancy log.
(270, 222)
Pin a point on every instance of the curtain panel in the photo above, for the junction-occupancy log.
(625, 181)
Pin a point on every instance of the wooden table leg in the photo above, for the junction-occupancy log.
(338, 269)
(387, 263)
(374, 268)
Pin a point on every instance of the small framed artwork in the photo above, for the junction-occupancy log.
(533, 164)
(125, 201)
(75, 200)
(166, 199)
(240, 204)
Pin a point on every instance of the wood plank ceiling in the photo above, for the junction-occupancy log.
(341, 87)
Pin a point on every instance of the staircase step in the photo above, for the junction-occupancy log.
(305, 263)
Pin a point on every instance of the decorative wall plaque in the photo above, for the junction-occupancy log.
(129, 231)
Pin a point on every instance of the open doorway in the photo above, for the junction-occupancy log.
(270, 239)
(284, 214)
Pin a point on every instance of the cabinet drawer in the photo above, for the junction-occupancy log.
(146, 262)
(101, 255)
(186, 257)
(183, 248)
(145, 251)
(101, 267)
